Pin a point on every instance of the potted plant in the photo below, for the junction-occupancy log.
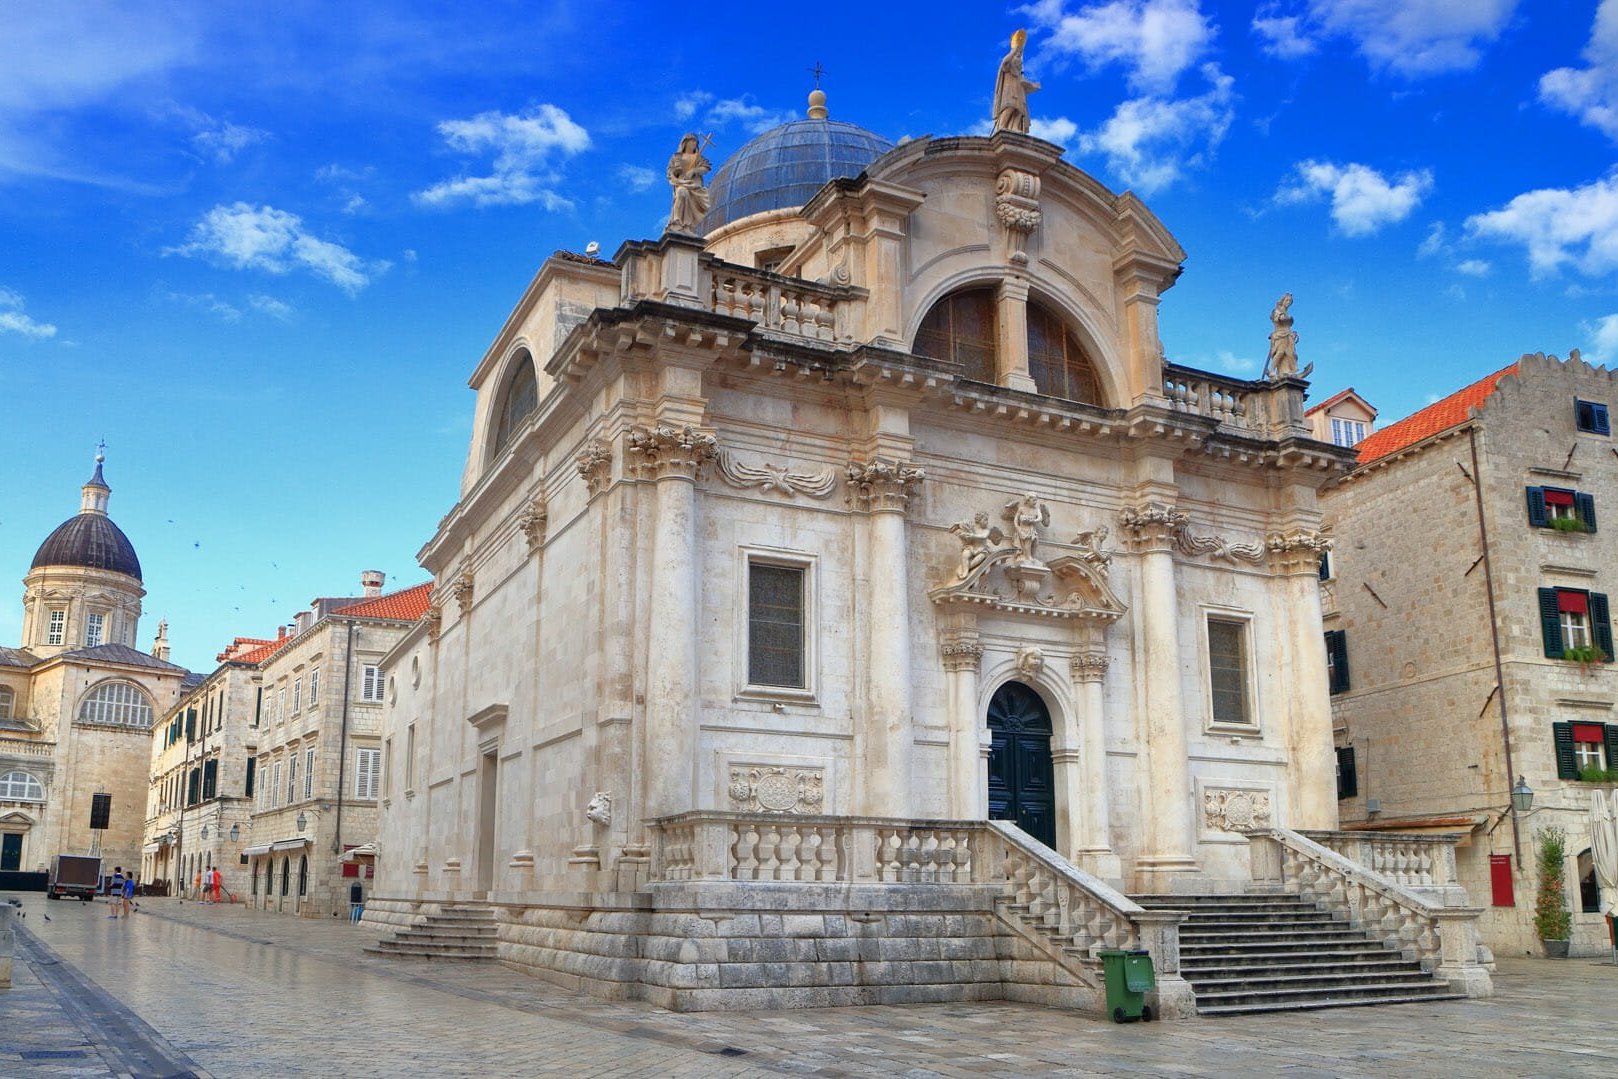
(1552, 920)
(1568, 524)
(1586, 656)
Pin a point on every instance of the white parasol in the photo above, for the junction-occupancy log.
(1604, 848)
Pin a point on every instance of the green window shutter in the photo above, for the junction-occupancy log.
(1586, 505)
(1348, 782)
(1337, 648)
(1536, 508)
(1567, 766)
(1601, 622)
(1612, 746)
(1550, 623)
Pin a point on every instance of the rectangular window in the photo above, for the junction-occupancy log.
(410, 758)
(314, 689)
(775, 624)
(297, 695)
(1575, 624)
(1561, 509)
(1587, 751)
(1591, 417)
(281, 703)
(292, 778)
(367, 772)
(1337, 660)
(1227, 671)
(1325, 566)
(94, 628)
(1348, 780)
(252, 767)
(309, 773)
(57, 634)
(210, 779)
(1347, 432)
(370, 682)
(275, 786)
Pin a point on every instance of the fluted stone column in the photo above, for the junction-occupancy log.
(672, 458)
(1167, 850)
(1295, 559)
(1091, 841)
(884, 742)
(967, 781)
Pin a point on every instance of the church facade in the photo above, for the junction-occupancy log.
(77, 700)
(840, 556)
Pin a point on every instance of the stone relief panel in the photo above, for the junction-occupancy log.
(1230, 812)
(775, 788)
(772, 478)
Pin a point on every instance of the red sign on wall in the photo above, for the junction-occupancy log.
(1500, 880)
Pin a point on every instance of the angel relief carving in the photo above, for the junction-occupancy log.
(777, 479)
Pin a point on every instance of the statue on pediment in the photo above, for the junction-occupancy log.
(687, 172)
(1011, 90)
(1027, 515)
(978, 540)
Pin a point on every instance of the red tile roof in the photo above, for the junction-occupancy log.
(1452, 411)
(404, 606)
(264, 652)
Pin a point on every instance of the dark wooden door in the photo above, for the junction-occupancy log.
(1021, 781)
(10, 851)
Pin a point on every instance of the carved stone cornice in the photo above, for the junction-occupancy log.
(664, 452)
(1089, 666)
(1297, 551)
(462, 590)
(594, 463)
(961, 655)
(1016, 204)
(1152, 527)
(532, 523)
(882, 486)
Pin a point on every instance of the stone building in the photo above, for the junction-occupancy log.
(203, 768)
(799, 550)
(1469, 629)
(318, 742)
(77, 700)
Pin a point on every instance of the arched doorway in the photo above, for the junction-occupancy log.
(1022, 785)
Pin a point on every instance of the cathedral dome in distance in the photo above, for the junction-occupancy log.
(786, 165)
(89, 539)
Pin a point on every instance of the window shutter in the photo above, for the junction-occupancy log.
(252, 765)
(1567, 766)
(1536, 508)
(1602, 427)
(1587, 510)
(1550, 622)
(1601, 622)
(1612, 746)
(376, 772)
(1337, 645)
(1348, 781)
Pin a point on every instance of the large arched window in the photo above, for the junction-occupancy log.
(117, 704)
(961, 327)
(519, 398)
(21, 787)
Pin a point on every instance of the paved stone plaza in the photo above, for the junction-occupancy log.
(184, 989)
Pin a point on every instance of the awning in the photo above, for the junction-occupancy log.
(291, 844)
(151, 848)
(364, 850)
(253, 852)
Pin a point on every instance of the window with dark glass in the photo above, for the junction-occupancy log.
(1592, 417)
(1227, 670)
(252, 769)
(1576, 625)
(962, 328)
(1348, 780)
(1337, 660)
(775, 643)
(1059, 366)
(1587, 751)
(520, 398)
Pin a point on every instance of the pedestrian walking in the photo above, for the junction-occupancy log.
(129, 893)
(116, 892)
(218, 883)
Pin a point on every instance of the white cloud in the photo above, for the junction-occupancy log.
(264, 238)
(1474, 267)
(12, 319)
(220, 140)
(1411, 38)
(1233, 364)
(269, 305)
(524, 147)
(67, 55)
(1435, 243)
(1150, 141)
(1590, 93)
(354, 204)
(637, 177)
(206, 301)
(1155, 41)
(1559, 226)
(1059, 130)
(1363, 201)
(1603, 347)
(701, 109)
(686, 105)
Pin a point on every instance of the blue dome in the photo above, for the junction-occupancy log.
(786, 165)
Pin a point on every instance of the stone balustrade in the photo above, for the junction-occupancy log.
(1085, 913)
(24, 747)
(1410, 861)
(785, 305)
(1203, 394)
(1444, 938)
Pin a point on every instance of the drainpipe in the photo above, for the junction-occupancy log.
(342, 742)
(1494, 635)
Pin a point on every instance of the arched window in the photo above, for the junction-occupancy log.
(8, 702)
(1059, 365)
(1589, 885)
(517, 400)
(286, 875)
(20, 787)
(961, 327)
(303, 876)
(117, 704)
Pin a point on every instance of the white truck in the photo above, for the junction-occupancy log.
(74, 874)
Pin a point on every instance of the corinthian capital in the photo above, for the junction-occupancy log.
(882, 486)
(1296, 551)
(1152, 527)
(663, 452)
(594, 463)
(1089, 666)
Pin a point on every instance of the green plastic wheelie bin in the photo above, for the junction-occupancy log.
(1129, 977)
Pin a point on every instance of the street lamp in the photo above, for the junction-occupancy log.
(1522, 796)
(303, 821)
(204, 831)
(235, 832)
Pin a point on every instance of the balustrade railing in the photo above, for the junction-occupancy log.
(800, 308)
(25, 747)
(1203, 394)
(1410, 861)
(1083, 912)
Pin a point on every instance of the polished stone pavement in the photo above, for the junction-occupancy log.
(192, 989)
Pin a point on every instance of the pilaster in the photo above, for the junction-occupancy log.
(1092, 838)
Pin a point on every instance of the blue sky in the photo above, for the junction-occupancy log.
(259, 253)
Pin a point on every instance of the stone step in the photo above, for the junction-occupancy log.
(1234, 902)
(454, 927)
(1337, 957)
(1276, 921)
(1271, 981)
(416, 947)
(1324, 992)
(1294, 1006)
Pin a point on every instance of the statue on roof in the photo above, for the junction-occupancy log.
(1011, 90)
(1283, 361)
(687, 169)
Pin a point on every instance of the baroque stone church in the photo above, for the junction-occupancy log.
(848, 601)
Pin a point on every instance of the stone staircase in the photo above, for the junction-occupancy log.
(457, 931)
(1278, 952)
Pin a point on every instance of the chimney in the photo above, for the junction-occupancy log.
(371, 582)
(160, 646)
(280, 633)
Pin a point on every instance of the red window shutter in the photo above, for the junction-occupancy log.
(1572, 602)
(1589, 732)
(1500, 880)
(1554, 497)
(351, 869)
